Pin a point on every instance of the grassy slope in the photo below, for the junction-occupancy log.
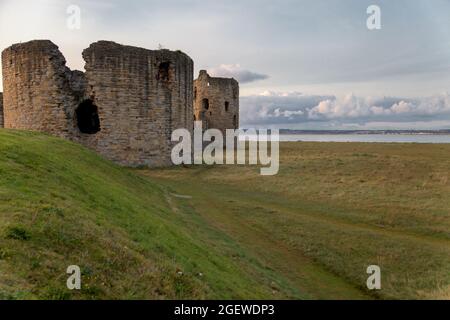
(309, 232)
(61, 204)
(336, 207)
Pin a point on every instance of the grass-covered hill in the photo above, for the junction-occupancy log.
(225, 231)
(61, 205)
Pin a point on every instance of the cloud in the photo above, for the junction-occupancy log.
(235, 71)
(271, 107)
(294, 108)
(352, 107)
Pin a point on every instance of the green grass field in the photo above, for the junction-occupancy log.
(225, 232)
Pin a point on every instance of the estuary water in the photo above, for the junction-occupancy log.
(387, 138)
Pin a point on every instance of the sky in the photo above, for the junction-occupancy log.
(302, 64)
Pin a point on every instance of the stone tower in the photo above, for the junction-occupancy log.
(216, 102)
(37, 88)
(125, 106)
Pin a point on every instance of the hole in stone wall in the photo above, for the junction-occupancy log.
(163, 71)
(195, 93)
(227, 105)
(205, 103)
(87, 117)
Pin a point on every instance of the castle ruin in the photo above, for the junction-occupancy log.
(216, 102)
(125, 106)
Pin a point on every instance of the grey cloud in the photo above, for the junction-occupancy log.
(235, 71)
(277, 108)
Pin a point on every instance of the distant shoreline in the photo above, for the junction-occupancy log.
(364, 132)
(373, 136)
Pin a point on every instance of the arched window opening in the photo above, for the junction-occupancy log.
(87, 117)
(227, 106)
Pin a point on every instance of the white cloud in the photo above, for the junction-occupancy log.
(270, 107)
(402, 107)
(354, 107)
(282, 108)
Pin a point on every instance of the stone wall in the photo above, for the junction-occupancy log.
(1, 110)
(37, 93)
(125, 106)
(216, 102)
(142, 97)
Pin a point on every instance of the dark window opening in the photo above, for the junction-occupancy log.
(87, 117)
(195, 118)
(235, 121)
(205, 103)
(163, 71)
(227, 106)
(195, 93)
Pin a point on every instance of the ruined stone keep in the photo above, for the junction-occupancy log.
(216, 102)
(125, 106)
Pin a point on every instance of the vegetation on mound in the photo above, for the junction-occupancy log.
(61, 205)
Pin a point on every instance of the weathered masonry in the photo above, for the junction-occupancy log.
(125, 106)
(216, 102)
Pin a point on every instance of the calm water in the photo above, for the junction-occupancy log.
(404, 138)
(401, 138)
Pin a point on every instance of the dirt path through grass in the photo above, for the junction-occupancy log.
(324, 246)
(311, 280)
